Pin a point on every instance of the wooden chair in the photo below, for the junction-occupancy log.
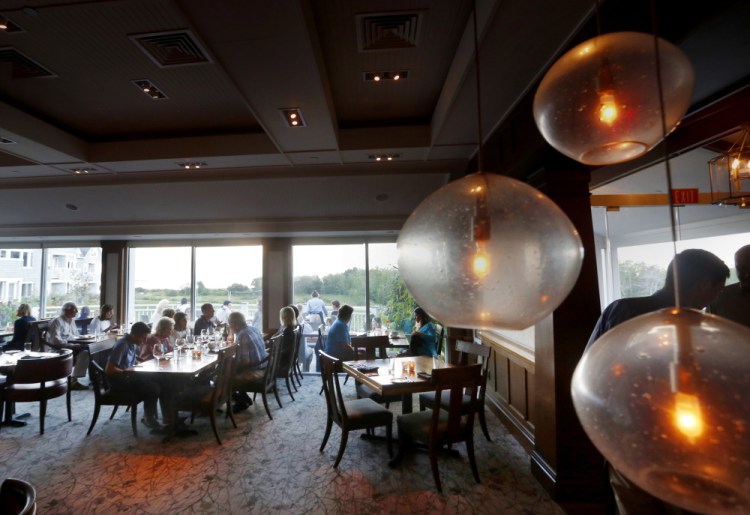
(349, 415)
(38, 334)
(40, 380)
(319, 346)
(441, 337)
(264, 381)
(17, 497)
(298, 347)
(105, 396)
(208, 398)
(369, 348)
(285, 367)
(83, 325)
(466, 349)
(441, 427)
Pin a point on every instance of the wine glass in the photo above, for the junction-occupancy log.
(179, 344)
(204, 335)
(158, 352)
(189, 340)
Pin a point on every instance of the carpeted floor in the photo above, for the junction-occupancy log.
(264, 466)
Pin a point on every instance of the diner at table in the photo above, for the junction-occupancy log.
(61, 334)
(103, 323)
(251, 354)
(160, 338)
(20, 328)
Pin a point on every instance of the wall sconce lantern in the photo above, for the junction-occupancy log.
(729, 173)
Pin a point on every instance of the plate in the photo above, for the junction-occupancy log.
(401, 380)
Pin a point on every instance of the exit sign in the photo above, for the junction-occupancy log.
(685, 196)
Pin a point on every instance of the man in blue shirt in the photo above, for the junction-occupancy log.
(250, 354)
(316, 306)
(119, 371)
(338, 341)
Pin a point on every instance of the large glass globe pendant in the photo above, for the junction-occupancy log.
(488, 251)
(665, 397)
(599, 103)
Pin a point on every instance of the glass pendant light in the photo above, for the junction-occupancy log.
(666, 398)
(488, 251)
(597, 103)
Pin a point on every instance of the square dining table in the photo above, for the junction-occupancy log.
(389, 377)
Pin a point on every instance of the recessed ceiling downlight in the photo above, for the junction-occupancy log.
(72, 207)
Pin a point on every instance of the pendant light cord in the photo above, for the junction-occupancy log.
(672, 218)
(480, 151)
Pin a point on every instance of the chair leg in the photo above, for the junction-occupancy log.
(294, 383)
(265, 404)
(114, 410)
(213, 425)
(434, 465)
(276, 394)
(389, 435)
(289, 388)
(483, 423)
(97, 407)
(42, 413)
(230, 414)
(342, 447)
(329, 425)
(472, 459)
(67, 402)
(133, 419)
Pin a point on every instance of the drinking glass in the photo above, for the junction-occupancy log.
(204, 335)
(179, 344)
(189, 340)
(158, 352)
(27, 347)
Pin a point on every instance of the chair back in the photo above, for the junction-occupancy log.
(467, 349)
(224, 375)
(30, 371)
(330, 367)
(37, 334)
(441, 336)
(459, 381)
(286, 353)
(298, 343)
(319, 346)
(98, 379)
(83, 325)
(370, 347)
(17, 497)
(274, 354)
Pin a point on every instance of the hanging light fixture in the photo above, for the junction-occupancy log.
(664, 396)
(488, 251)
(597, 104)
(729, 173)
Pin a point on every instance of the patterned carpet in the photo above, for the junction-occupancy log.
(264, 466)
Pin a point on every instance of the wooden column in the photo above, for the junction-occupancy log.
(277, 279)
(563, 458)
(113, 287)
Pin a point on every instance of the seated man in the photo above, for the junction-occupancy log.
(338, 342)
(251, 351)
(61, 331)
(424, 341)
(119, 371)
(207, 319)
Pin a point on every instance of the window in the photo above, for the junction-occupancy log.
(159, 277)
(66, 283)
(229, 273)
(391, 304)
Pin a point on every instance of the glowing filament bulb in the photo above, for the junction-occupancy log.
(480, 263)
(687, 415)
(607, 107)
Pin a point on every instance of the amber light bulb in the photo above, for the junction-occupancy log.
(480, 263)
(687, 416)
(608, 111)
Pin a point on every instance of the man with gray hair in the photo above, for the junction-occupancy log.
(60, 335)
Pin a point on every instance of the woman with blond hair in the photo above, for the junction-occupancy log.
(20, 328)
(160, 336)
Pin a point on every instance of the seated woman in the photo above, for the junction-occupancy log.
(338, 342)
(424, 341)
(161, 336)
(180, 327)
(103, 323)
(20, 328)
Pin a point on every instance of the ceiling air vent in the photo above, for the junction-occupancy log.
(168, 49)
(387, 31)
(23, 67)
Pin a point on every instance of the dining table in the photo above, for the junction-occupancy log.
(394, 376)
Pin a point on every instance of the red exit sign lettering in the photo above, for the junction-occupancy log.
(685, 196)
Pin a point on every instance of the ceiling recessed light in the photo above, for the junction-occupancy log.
(6, 141)
(82, 171)
(384, 157)
(293, 116)
(386, 76)
(72, 207)
(191, 165)
(149, 88)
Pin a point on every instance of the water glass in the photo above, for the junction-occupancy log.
(27, 347)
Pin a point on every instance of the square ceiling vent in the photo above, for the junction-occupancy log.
(170, 49)
(388, 31)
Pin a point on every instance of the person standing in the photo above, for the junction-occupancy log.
(316, 306)
(62, 330)
(223, 315)
(159, 311)
(701, 277)
(734, 300)
(119, 371)
(20, 328)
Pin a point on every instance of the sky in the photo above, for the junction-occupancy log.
(216, 267)
(662, 253)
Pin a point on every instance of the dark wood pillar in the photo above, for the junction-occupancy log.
(113, 288)
(563, 459)
(277, 279)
